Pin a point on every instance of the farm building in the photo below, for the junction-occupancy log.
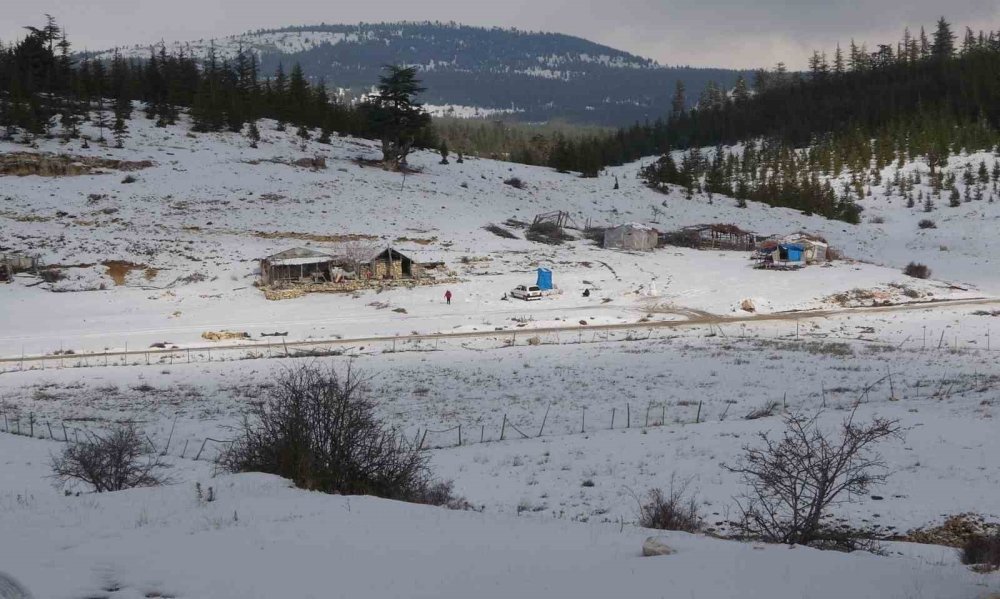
(631, 236)
(814, 249)
(388, 264)
(297, 265)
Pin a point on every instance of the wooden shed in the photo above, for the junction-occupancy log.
(297, 265)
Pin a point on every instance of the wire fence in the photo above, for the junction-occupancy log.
(15, 423)
(618, 417)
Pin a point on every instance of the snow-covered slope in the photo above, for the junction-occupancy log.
(561, 433)
(193, 224)
(261, 538)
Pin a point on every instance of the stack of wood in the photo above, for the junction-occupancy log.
(224, 335)
(282, 294)
(350, 286)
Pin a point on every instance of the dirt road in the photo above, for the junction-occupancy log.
(692, 318)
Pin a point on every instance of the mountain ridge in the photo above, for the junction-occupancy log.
(533, 76)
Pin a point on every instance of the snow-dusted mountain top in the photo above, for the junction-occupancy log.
(539, 76)
(546, 49)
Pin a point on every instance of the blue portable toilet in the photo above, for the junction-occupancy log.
(544, 279)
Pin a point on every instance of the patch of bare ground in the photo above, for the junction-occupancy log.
(956, 531)
(21, 164)
(416, 240)
(118, 270)
(313, 236)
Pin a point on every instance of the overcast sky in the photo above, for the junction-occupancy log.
(732, 33)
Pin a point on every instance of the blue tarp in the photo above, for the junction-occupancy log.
(544, 279)
(792, 252)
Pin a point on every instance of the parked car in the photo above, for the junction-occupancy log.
(527, 292)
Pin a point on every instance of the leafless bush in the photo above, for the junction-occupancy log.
(764, 411)
(500, 231)
(116, 460)
(546, 232)
(595, 234)
(51, 275)
(320, 430)
(357, 251)
(515, 182)
(927, 224)
(982, 550)
(917, 270)
(670, 511)
(794, 480)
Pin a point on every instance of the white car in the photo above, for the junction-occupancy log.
(527, 292)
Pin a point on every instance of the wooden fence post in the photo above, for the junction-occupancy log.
(544, 418)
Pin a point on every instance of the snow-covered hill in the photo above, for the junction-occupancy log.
(167, 251)
(533, 76)
(262, 539)
(194, 223)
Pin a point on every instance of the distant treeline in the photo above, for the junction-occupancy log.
(40, 80)
(923, 96)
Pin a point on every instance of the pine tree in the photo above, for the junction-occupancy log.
(120, 129)
(839, 67)
(443, 150)
(954, 198)
(741, 94)
(395, 115)
(253, 134)
(943, 46)
(678, 105)
(100, 119)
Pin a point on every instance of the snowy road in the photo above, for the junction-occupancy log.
(691, 318)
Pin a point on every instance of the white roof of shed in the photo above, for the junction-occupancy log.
(299, 256)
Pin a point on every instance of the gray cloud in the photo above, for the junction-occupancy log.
(701, 33)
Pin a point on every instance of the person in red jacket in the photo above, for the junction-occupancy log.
(447, 296)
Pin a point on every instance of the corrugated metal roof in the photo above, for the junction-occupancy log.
(297, 256)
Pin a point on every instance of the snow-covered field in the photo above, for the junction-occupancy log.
(558, 499)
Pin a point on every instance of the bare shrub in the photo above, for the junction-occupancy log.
(320, 430)
(982, 550)
(768, 409)
(500, 231)
(794, 480)
(546, 232)
(51, 275)
(515, 182)
(927, 223)
(670, 511)
(917, 270)
(116, 460)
